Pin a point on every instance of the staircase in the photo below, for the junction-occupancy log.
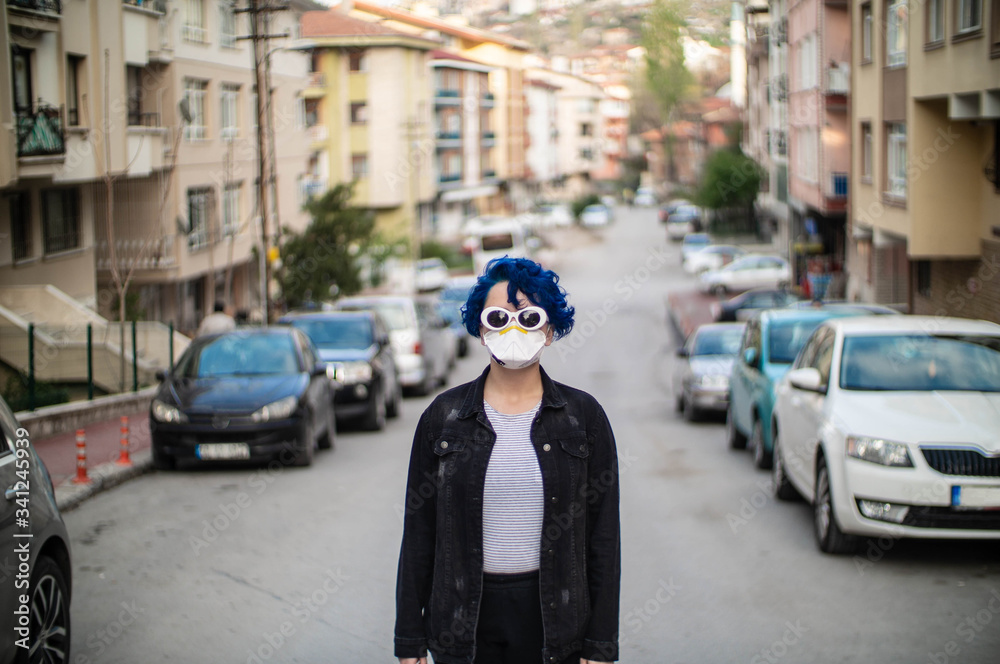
(60, 346)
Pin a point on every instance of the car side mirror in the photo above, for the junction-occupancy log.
(750, 357)
(161, 375)
(383, 341)
(682, 352)
(807, 378)
(319, 369)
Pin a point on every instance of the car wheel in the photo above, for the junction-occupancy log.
(326, 441)
(829, 536)
(783, 489)
(761, 458)
(304, 456)
(719, 290)
(393, 408)
(49, 633)
(679, 404)
(691, 413)
(463, 347)
(162, 460)
(375, 418)
(736, 440)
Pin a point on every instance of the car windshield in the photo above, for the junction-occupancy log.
(786, 338)
(718, 342)
(498, 241)
(242, 355)
(455, 294)
(393, 313)
(920, 362)
(337, 333)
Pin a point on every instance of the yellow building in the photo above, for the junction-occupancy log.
(369, 116)
(925, 125)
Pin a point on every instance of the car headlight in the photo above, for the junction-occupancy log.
(164, 412)
(354, 372)
(877, 450)
(278, 410)
(712, 381)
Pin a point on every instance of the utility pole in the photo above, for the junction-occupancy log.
(258, 11)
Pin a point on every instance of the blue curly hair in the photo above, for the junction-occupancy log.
(539, 285)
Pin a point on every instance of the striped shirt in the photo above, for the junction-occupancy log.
(513, 500)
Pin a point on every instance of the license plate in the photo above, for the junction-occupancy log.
(976, 497)
(222, 451)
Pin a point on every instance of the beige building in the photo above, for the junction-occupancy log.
(925, 191)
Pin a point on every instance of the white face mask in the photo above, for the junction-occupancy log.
(514, 348)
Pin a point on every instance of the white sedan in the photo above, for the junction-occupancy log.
(750, 271)
(712, 257)
(889, 426)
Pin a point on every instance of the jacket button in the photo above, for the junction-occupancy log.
(444, 444)
(583, 448)
(552, 605)
(546, 447)
(555, 499)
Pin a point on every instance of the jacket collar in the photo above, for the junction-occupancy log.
(552, 396)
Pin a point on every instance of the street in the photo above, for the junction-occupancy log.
(298, 565)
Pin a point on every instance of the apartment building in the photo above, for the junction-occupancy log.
(543, 138)
(819, 39)
(925, 128)
(369, 118)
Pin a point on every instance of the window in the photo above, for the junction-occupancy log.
(359, 166)
(229, 104)
(20, 225)
(74, 65)
(806, 154)
(587, 154)
(585, 106)
(21, 65)
(866, 33)
(924, 278)
(866, 152)
(61, 219)
(807, 62)
(231, 209)
(895, 33)
(194, 21)
(253, 109)
(133, 83)
(312, 112)
(198, 202)
(968, 16)
(359, 112)
(227, 25)
(356, 61)
(586, 129)
(194, 94)
(935, 21)
(995, 29)
(896, 158)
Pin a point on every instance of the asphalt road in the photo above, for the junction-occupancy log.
(298, 565)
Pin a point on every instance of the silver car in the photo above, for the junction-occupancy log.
(424, 347)
(701, 374)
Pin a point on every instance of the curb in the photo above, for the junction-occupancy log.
(105, 476)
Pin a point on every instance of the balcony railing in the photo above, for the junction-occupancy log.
(449, 178)
(838, 80)
(489, 135)
(139, 119)
(445, 92)
(40, 131)
(317, 79)
(489, 173)
(449, 135)
(48, 6)
(838, 185)
(155, 5)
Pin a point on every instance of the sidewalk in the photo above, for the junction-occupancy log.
(103, 446)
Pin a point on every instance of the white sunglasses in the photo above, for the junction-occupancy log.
(498, 318)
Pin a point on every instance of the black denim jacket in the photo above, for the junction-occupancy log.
(439, 580)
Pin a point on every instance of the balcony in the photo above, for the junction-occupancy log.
(312, 188)
(317, 79)
(489, 100)
(152, 5)
(838, 186)
(318, 133)
(447, 97)
(40, 132)
(446, 178)
(838, 79)
(44, 6)
(490, 174)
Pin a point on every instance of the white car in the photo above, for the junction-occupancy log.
(432, 273)
(750, 271)
(645, 197)
(890, 427)
(595, 215)
(682, 221)
(711, 257)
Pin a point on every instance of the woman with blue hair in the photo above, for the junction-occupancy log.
(511, 551)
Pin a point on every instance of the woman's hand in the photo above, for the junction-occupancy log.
(414, 660)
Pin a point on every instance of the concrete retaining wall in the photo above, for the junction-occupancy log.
(54, 420)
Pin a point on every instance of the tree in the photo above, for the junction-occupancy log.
(730, 179)
(666, 76)
(323, 260)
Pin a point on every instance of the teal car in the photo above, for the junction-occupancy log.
(770, 343)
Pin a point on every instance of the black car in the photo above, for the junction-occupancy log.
(35, 569)
(356, 348)
(252, 394)
(746, 304)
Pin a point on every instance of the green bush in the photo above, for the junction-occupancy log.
(15, 393)
(580, 203)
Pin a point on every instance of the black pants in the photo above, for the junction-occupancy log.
(510, 621)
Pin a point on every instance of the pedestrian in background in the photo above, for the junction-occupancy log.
(511, 551)
(217, 321)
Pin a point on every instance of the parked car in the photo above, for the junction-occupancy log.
(554, 214)
(888, 426)
(450, 301)
(772, 340)
(750, 271)
(43, 620)
(645, 197)
(255, 393)
(356, 348)
(597, 214)
(712, 257)
(494, 236)
(424, 348)
(837, 305)
(432, 273)
(705, 362)
(692, 243)
(745, 305)
(683, 220)
(670, 207)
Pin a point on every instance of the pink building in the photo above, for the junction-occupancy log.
(819, 39)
